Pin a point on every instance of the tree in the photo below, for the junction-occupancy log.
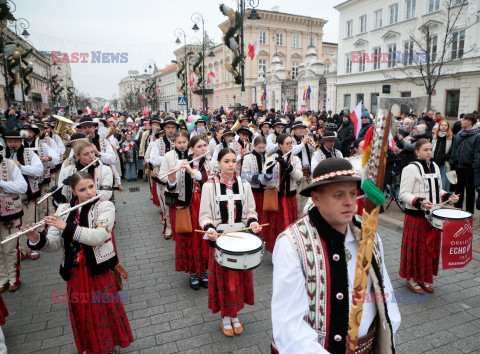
(83, 100)
(437, 46)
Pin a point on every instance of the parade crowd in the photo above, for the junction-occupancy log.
(292, 180)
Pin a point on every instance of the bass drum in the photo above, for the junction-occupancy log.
(243, 252)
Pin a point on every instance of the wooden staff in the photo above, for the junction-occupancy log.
(123, 197)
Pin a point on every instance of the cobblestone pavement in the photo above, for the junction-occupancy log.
(166, 316)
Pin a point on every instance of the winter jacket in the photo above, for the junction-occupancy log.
(465, 152)
(363, 130)
(346, 134)
(131, 154)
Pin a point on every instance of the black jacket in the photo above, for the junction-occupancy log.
(346, 134)
(465, 152)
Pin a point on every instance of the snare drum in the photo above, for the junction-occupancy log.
(243, 253)
(439, 215)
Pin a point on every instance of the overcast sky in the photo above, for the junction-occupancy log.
(142, 28)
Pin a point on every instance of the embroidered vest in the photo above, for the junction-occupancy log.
(10, 204)
(33, 191)
(311, 251)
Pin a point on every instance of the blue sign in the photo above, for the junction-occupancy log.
(182, 101)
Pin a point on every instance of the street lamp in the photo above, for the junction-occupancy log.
(179, 32)
(23, 24)
(197, 17)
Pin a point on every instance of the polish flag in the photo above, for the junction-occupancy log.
(106, 108)
(287, 108)
(355, 117)
(88, 110)
(253, 49)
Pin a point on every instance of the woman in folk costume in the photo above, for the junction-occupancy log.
(252, 168)
(85, 236)
(287, 171)
(421, 189)
(228, 141)
(84, 153)
(173, 159)
(227, 204)
(191, 250)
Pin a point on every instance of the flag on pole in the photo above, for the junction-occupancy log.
(308, 92)
(304, 93)
(263, 96)
(106, 108)
(287, 108)
(253, 48)
(355, 117)
(88, 110)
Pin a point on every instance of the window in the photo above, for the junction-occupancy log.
(376, 58)
(262, 66)
(295, 65)
(408, 53)
(361, 63)
(458, 2)
(393, 14)
(311, 41)
(262, 37)
(348, 64)
(280, 39)
(404, 109)
(374, 103)
(433, 5)
(359, 98)
(410, 6)
(432, 48)
(453, 100)
(296, 41)
(458, 43)
(326, 68)
(378, 19)
(363, 24)
(349, 29)
(346, 101)
(392, 49)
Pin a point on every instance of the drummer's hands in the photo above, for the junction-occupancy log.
(212, 235)
(454, 198)
(256, 228)
(427, 204)
(55, 221)
(33, 235)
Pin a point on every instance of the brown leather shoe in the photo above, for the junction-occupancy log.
(237, 329)
(3, 287)
(227, 331)
(33, 255)
(13, 288)
(426, 287)
(167, 237)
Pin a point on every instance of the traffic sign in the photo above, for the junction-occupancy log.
(182, 101)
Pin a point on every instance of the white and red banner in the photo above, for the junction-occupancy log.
(88, 110)
(126, 148)
(286, 108)
(106, 108)
(457, 243)
(355, 116)
(253, 49)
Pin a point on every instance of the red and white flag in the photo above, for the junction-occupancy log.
(88, 110)
(253, 49)
(287, 108)
(355, 117)
(212, 74)
(106, 108)
(126, 148)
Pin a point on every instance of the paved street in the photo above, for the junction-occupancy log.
(167, 316)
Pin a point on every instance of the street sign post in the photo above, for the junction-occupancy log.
(182, 101)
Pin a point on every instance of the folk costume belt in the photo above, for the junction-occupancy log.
(365, 344)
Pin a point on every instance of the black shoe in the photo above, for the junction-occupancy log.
(194, 282)
(204, 280)
(478, 202)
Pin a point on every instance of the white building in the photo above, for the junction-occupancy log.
(167, 83)
(131, 90)
(386, 27)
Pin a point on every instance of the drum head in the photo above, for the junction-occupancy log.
(445, 213)
(246, 243)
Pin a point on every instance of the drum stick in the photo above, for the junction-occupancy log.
(123, 197)
(205, 232)
(247, 228)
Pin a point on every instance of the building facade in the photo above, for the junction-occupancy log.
(131, 89)
(383, 42)
(168, 89)
(284, 40)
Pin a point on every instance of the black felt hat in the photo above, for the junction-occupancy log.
(86, 121)
(13, 134)
(332, 170)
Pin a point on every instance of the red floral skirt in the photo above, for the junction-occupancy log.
(279, 221)
(228, 290)
(191, 250)
(420, 253)
(153, 190)
(258, 196)
(3, 311)
(98, 318)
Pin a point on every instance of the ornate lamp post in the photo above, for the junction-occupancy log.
(23, 24)
(179, 32)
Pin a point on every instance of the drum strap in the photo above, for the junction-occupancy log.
(432, 185)
(230, 199)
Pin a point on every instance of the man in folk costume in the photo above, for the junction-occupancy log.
(153, 181)
(142, 135)
(104, 149)
(12, 186)
(245, 139)
(302, 147)
(314, 269)
(228, 142)
(49, 130)
(160, 148)
(32, 170)
(244, 122)
(200, 127)
(46, 208)
(230, 122)
(327, 149)
(264, 128)
(278, 127)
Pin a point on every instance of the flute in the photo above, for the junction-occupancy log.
(267, 167)
(41, 223)
(61, 185)
(180, 167)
